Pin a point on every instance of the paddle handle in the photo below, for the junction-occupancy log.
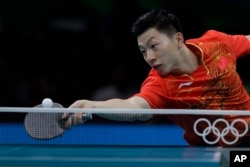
(64, 125)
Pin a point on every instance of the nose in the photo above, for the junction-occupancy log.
(150, 56)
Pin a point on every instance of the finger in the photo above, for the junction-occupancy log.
(65, 116)
(77, 104)
(68, 123)
(77, 119)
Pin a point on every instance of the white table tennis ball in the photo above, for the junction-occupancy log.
(47, 103)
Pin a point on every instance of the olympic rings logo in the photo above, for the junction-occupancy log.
(220, 134)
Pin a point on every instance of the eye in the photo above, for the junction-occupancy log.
(143, 51)
(153, 46)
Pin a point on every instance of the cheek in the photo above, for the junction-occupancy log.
(169, 51)
(168, 58)
(165, 54)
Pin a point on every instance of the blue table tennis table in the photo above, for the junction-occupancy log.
(123, 156)
(95, 145)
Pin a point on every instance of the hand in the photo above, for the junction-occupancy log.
(76, 118)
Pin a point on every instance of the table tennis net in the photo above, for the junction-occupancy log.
(134, 127)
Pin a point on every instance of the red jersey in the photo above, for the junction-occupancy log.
(215, 84)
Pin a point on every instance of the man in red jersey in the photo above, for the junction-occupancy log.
(193, 74)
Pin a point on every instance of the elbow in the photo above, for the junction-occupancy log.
(248, 37)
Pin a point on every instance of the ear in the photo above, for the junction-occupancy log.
(179, 39)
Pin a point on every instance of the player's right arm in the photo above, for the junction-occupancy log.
(248, 37)
(134, 102)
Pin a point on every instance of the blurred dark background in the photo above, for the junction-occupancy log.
(77, 49)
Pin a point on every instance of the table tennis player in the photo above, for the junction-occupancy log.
(197, 73)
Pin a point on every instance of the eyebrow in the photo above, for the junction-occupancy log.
(150, 39)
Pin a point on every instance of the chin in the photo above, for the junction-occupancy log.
(163, 74)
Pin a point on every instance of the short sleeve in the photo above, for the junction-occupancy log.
(240, 45)
(153, 91)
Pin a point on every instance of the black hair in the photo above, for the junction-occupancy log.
(159, 19)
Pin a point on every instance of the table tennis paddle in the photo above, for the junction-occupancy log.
(47, 125)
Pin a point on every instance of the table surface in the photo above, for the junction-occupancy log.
(90, 156)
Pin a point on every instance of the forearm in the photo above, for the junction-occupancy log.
(117, 103)
(133, 103)
(126, 117)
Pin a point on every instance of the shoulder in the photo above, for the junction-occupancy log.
(235, 43)
(153, 79)
(156, 83)
(211, 35)
(153, 74)
(214, 32)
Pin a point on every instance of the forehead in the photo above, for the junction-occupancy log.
(149, 35)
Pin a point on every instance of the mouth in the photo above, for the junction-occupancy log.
(157, 66)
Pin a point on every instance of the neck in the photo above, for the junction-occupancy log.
(187, 63)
